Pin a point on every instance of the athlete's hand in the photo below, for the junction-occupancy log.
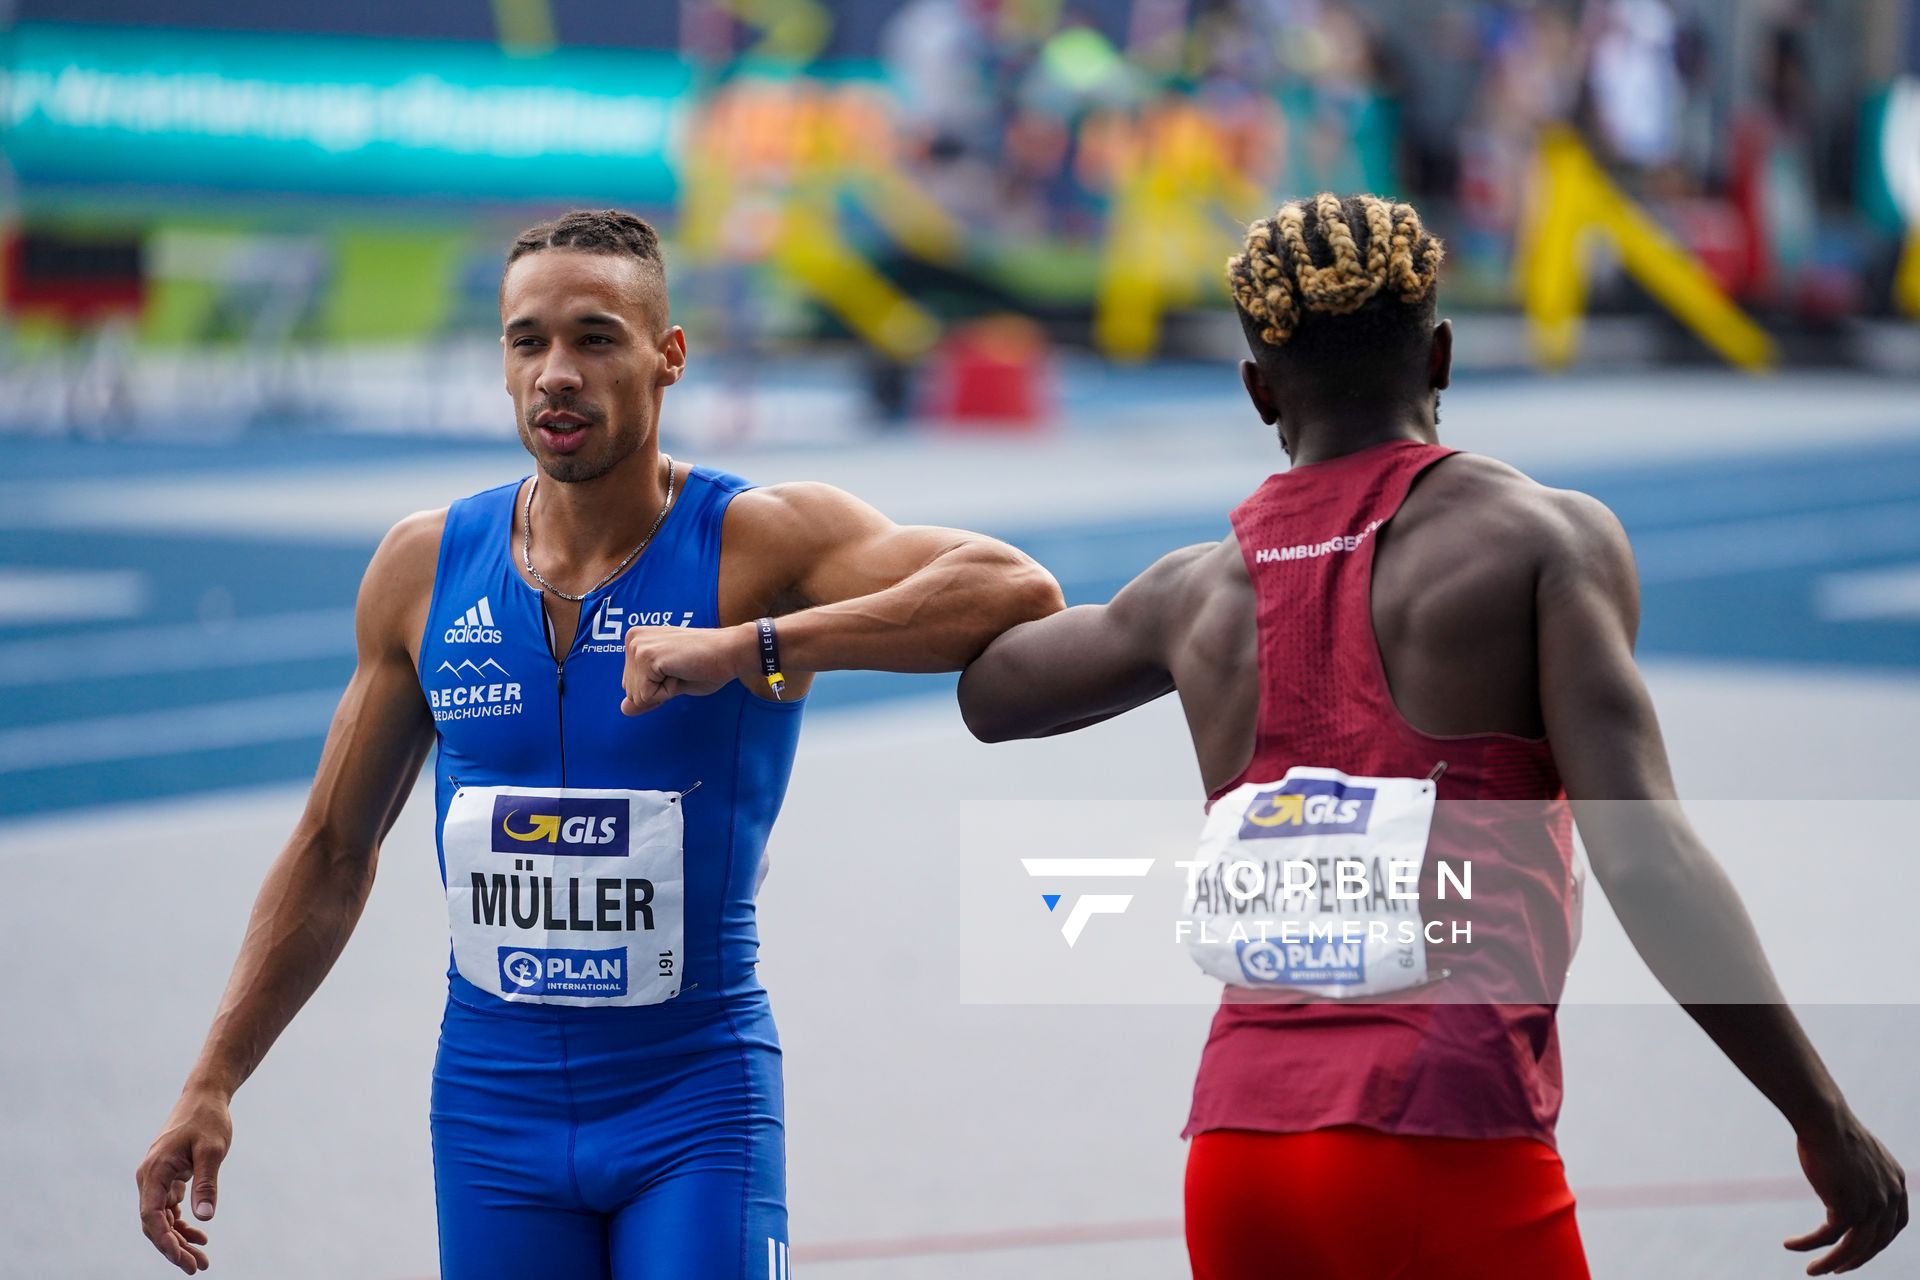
(1864, 1189)
(665, 662)
(191, 1146)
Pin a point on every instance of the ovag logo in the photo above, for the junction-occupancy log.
(1308, 807)
(573, 826)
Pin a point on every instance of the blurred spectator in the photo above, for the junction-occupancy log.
(1633, 75)
(936, 53)
(1527, 78)
(1773, 168)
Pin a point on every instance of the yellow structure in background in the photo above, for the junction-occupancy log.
(1572, 200)
(1906, 283)
(768, 165)
(792, 31)
(1163, 243)
(525, 26)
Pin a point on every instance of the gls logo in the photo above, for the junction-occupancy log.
(1087, 905)
(1308, 807)
(569, 826)
(476, 627)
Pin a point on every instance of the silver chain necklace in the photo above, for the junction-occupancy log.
(526, 540)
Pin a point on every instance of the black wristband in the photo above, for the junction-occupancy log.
(770, 658)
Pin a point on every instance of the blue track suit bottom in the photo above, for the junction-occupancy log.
(569, 1149)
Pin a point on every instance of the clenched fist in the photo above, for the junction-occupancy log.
(665, 662)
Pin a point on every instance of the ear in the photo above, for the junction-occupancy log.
(1440, 357)
(673, 355)
(1258, 392)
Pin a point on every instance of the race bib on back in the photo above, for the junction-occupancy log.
(568, 897)
(1312, 883)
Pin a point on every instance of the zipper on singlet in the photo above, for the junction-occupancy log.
(559, 679)
(560, 713)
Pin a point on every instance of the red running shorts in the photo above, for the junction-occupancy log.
(1354, 1204)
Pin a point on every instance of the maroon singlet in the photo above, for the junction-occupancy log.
(1474, 1054)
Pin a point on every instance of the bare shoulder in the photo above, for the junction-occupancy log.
(1500, 501)
(398, 586)
(796, 505)
(793, 523)
(1175, 587)
(410, 551)
(1176, 575)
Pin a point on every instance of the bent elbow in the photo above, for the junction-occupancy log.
(984, 730)
(1012, 585)
(988, 730)
(1038, 594)
(985, 720)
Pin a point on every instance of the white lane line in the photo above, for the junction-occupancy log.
(190, 646)
(70, 595)
(245, 722)
(1870, 595)
(1777, 542)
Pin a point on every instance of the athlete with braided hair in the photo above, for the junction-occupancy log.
(1403, 648)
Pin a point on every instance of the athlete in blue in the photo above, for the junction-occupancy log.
(607, 1095)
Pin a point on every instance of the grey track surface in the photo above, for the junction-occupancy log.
(914, 1118)
(912, 1115)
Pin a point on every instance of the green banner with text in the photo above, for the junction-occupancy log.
(105, 106)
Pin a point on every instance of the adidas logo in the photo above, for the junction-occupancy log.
(476, 627)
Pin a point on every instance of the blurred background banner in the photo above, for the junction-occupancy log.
(307, 209)
(193, 114)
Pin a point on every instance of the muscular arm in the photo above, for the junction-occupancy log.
(878, 596)
(1674, 900)
(1082, 666)
(853, 591)
(314, 892)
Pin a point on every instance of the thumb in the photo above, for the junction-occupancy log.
(206, 1179)
(1819, 1238)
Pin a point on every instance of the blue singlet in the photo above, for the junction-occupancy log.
(607, 1096)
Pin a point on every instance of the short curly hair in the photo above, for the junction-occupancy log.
(608, 231)
(591, 231)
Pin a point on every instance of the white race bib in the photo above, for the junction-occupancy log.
(572, 896)
(1312, 884)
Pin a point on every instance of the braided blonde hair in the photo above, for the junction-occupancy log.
(1276, 282)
